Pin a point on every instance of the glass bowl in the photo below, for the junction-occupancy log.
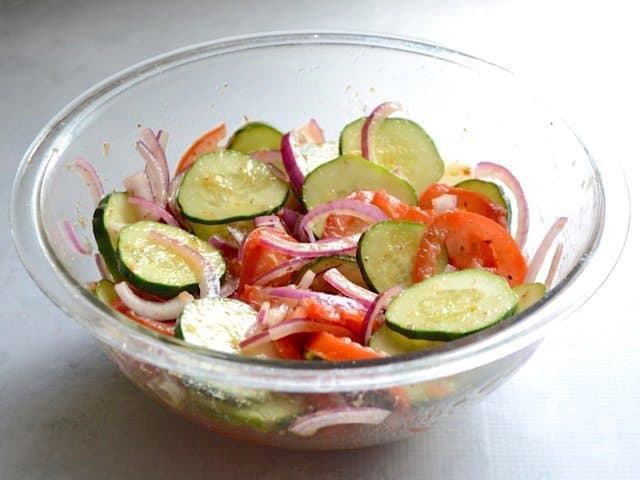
(475, 111)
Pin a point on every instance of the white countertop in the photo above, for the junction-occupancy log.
(571, 412)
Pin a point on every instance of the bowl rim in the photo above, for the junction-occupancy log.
(507, 337)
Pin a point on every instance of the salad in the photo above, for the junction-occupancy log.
(290, 246)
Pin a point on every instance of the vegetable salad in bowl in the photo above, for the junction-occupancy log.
(295, 247)
(320, 283)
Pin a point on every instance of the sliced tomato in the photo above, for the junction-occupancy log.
(162, 327)
(345, 225)
(351, 318)
(400, 211)
(257, 258)
(206, 143)
(332, 348)
(472, 241)
(292, 346)
(467, 200)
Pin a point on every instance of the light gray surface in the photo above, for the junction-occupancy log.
(571, 412)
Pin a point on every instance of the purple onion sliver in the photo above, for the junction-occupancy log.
(310, 250)
(88, 172)
(290, 161)
(379, 304)
(344, 206)
(553, 268)
(230, 285)
(307, 280)
(303, 325)
(155, 209)
(263, 313)
(221, 244)
(101, 266)
(309, 424)
(541, 252)
(272, 221)
(378, 114)
(349, 289)
(159, 311)
(73, 238)
(256, 340)
(503, 174)
(290, 219)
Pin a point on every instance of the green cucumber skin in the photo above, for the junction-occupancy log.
(231, 218)
(423, 333)
(491, 190)
(103, 239)
(350, 142)
(386, 340)
(529, 294)
(105, 292)
(367, 270)
(244, 136)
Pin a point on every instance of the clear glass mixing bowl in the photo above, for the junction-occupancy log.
(475, 112)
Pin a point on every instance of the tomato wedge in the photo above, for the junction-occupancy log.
(472, 241)
(332, 348)
(292, 346)
(467, 200)
(207, 143)
(257, 258)
(400, 211)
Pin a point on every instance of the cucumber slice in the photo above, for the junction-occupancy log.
(273, 414)
(346, 264)
(490, 190)
(385, 340)
(112, 214)
(351, 173)
(402, 146)
(225, 186)
(155, 269)
(528, 294)
(215, 323)
(105, 292)
(255, 136)
(451, 305)
(387, 254)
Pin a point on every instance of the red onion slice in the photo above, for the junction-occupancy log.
(302, 325)
(325, 298)
(279, 271)
(172, 199)
(309, 250)
(159, 311)
(370, 126)
(224, 246)
(163, 139)
(255, 340)
(102, 268)
(91, 178)
(344, 206)
(74, 240)
(309, 424)
(291, 218)
(237, 234)
(444, 202)
(504, 175)
(230, 285)
(538, 258)
(349, 289)
(156, 210)
(272, 221)
(263, 313)
(290, 154)
(553, 268)
(156, 166)
(380, 304)
(312, 132)
(208, 279)
(307, 280)
(138, 185)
